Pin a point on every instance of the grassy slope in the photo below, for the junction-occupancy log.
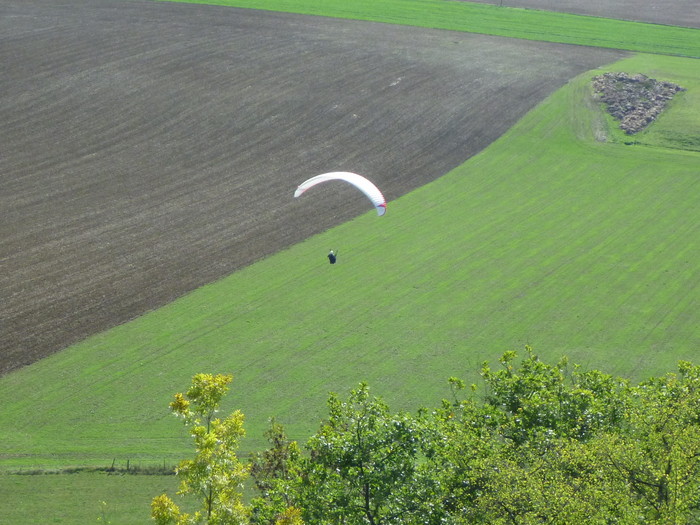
(547, 237)
(81, 498)
(529, 24)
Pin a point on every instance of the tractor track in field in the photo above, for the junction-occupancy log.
(149, 148)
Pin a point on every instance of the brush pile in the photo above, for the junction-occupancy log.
(635, 100)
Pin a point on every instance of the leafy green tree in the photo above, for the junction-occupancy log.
(545, 443)
(461, 437)
(215, 474)
(657, 453)
(574, 447)
(560, 485)
(545, 402)
(277, 473)
(362, 465)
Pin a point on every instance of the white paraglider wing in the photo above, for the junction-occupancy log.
(361, 183)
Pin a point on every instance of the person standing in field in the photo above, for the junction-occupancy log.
(332, 257)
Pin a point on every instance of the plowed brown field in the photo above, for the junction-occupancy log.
(148, 148)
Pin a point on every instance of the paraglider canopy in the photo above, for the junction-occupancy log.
(361, 183)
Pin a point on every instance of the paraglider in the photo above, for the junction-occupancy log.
(361, 183)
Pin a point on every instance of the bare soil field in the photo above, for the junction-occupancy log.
(149, 148)
(669, 12)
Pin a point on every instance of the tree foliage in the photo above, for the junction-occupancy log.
(276, 472)
(215, 475)
(362, 466)
(543, 443)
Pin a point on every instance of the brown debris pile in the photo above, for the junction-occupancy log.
(634, 100)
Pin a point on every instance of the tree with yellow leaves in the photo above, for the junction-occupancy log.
(215, 475)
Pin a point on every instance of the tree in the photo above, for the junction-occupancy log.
(544, 444)
(542, 401)
(571, 447)
(276, 473)
(657, 451)
(362, 465)
(215, 474)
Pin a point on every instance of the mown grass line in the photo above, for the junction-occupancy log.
(548, 237)
(530, 24)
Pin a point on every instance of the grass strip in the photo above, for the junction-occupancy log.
(530, 24)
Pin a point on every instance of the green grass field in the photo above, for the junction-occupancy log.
(80, 498)
(529, 24)
(548, 237)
